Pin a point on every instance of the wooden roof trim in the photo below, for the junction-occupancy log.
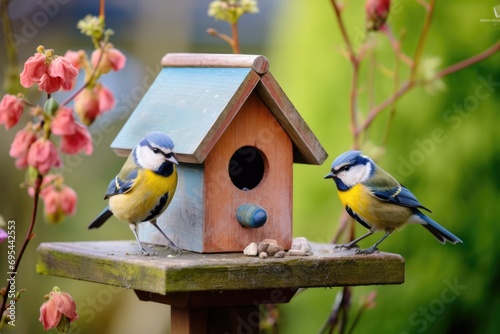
(307, 145)
(224, 119)
(258, 63)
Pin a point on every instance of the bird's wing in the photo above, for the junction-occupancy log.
(400, 196)
(125, 179)
(384, 187)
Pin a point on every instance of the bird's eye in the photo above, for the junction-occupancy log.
(346, 168)
(156, 150)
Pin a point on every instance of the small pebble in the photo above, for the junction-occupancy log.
(301, 244)
(262, 247)
(270, 241)
(280, 254)
(296, 252)
(273, 249)
(250, 250)
(263, 255)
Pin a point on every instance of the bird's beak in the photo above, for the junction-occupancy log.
(173, 160)
(329, 176)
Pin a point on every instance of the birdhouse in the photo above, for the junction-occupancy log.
(236, 137)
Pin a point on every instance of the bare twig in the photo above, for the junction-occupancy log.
(421, 42)
(236, 42)
(338, 315)
(353, 58)
(409, 84)
(468, 62)
(29, 236)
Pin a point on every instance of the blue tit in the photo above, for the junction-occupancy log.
(144, 187)
(377, 201)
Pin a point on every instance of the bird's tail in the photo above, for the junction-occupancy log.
(101, 218)
(437, 230)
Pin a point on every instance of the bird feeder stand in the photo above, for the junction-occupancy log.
(236, 137)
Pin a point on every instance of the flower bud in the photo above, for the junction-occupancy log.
(11, 109)
(58, 311)
(376, 14)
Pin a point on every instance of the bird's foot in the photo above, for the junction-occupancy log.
(147, 251)
(367, 251)
(174, 248)
(346, 246)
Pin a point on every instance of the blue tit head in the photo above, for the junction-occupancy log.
(351, 168)
(155, 152)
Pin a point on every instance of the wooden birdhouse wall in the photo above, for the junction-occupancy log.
(256, 133)
(202, 215)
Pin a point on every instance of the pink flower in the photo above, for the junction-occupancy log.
(80, 140)
(20, 146)
(106, 99)
(34, 68)
(3, 235)
(112, 59)
(58, 311)
(61, 68)
(92, 102)
(376, 13)
(51, 73)
(64, 122)
(11, 109)
(68, 201)
(76, 58)
(49, 84)
(43, 155)
(59, 201)
(75, 137)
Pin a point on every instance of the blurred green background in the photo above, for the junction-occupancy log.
(447, 288)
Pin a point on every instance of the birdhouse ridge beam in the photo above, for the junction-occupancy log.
(258, 63)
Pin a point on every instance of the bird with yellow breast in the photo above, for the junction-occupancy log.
(377, 201)
(144, 187)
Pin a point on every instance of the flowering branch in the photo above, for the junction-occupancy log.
(34, 149)
(376, 15)
(230, 11)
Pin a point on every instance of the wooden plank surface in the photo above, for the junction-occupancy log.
(119, 263)
(258, 63)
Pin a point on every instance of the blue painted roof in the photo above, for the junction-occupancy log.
(193, 105)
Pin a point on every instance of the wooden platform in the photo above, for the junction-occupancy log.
(119, 263)
(205, 288)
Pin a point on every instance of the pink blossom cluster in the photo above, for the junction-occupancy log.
(95, 99)
(49, 71)
(34, 146)
(59, 199)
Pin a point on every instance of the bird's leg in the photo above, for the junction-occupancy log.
(170, 244)
(143, 250)
(355, 241)
(373, 248)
